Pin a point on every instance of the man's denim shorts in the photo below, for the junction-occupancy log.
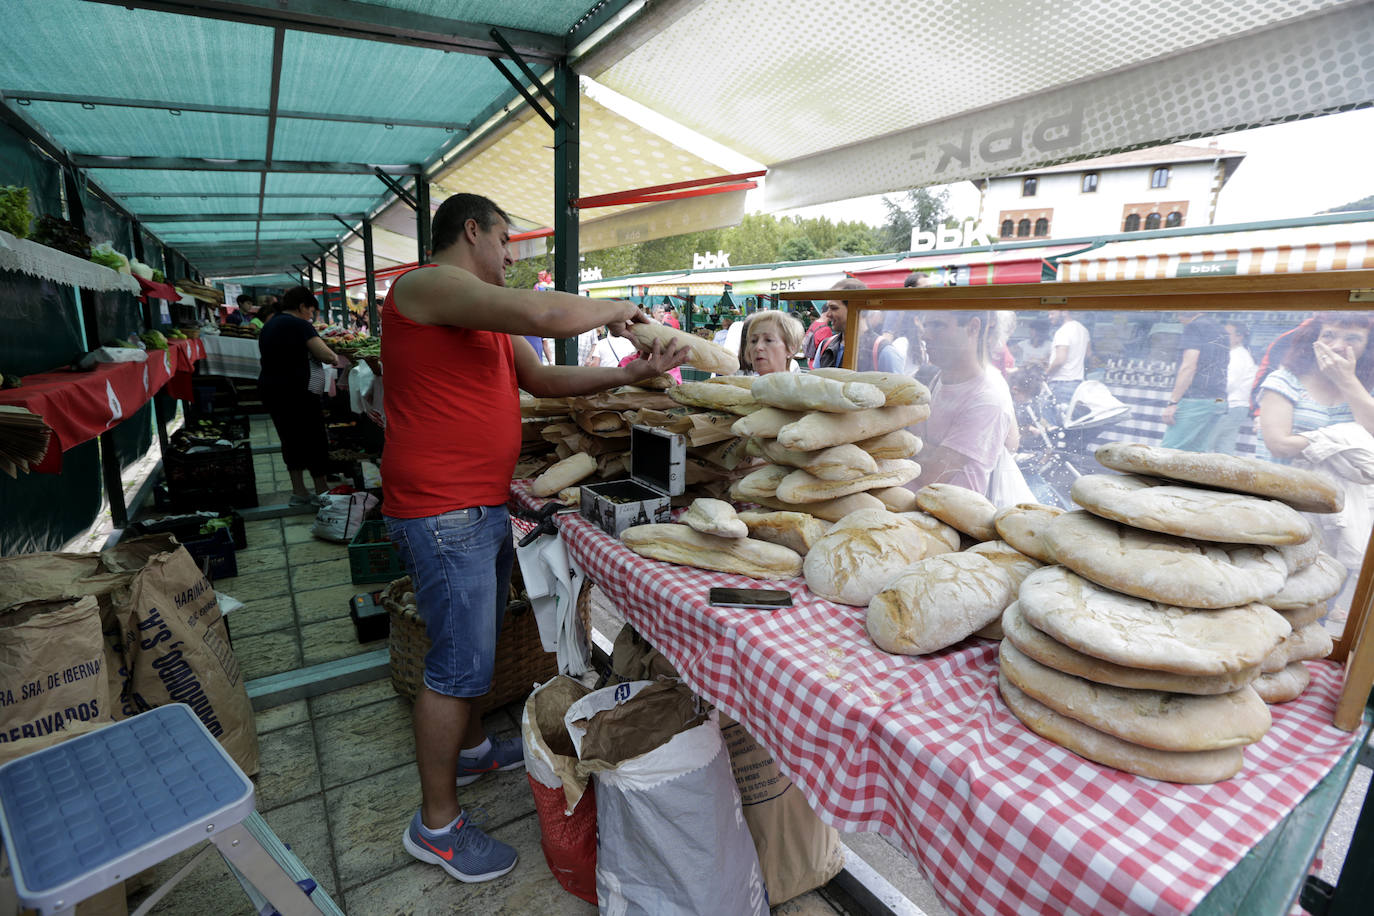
(459, 565)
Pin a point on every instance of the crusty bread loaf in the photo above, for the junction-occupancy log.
(731, 398)
(1314, 584)
(1191, 512)
(794, 530)
(760, 483)
(564, 474)
(765, 423)
(945, 534)
(860, 553)
(1301, 489)
(1054, 654)
(705, 355)
(687, 547)
(1301, 555)
(1142, 634)
(839, 462)
(831, 510)
(898, 390)
(1285, 685)
(1023, 527)
(804, 391)
(966, 510)
(1016, 563)
(1308, 643)
(1151, 718)
(897, 499)
(822, 430)
(899, 443)
(714, 516)
(1190, 767)
(937, 602)
(1302, 616)
(739, 381)
(803, 487)
(1160, 567)
(570, 496)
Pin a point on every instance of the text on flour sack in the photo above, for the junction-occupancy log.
(176, 674)
(57, 719)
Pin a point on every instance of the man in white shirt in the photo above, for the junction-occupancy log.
(586, 348)
(723, 334)
(1065, 371)
(1240, 378)
(612, 349)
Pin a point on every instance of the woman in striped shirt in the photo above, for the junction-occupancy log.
(1325, 379)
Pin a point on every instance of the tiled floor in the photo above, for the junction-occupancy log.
(338, 780)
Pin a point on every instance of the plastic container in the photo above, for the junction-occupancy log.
(371, 555)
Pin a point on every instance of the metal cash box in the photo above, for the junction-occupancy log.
(658, 472)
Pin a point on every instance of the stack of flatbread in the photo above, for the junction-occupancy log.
(832, 441)
(1185, 598)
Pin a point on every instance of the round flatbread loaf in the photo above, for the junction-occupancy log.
(1054, 654)
(1152, 718)
(964, 509)
(1301, 617)
(1313, 585)
(1016, 563)
(860, 554)
(1160, 567)
(1308, 643)
(1142, 634)
(1283, 686)
(1302, 554)
(937, 602)
(933, 526)
(1023, 527)
(1305, 490)
(1190, 512)
(1191, 767)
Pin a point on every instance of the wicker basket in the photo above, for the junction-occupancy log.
(521, 661)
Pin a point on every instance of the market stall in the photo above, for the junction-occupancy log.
(923, 751)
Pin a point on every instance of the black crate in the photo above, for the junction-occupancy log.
(214, 554)
(218, 466)
(236, 495)
(207, 428)
(370, 620)
(187, 526)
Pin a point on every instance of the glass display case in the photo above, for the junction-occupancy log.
(1027, 381)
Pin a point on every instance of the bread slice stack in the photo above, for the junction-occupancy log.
(1185, 597)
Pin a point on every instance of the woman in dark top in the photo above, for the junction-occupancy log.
(288, 343)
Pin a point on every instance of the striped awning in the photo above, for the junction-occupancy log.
(1347, 246)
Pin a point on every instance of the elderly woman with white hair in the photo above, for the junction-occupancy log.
(770, 340)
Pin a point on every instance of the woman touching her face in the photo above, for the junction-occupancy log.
(769, 342)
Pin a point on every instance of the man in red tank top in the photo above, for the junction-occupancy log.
(455, 361)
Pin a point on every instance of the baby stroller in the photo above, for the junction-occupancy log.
(1062, 451)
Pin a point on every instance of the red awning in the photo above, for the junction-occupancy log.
(1015, 265)
(153, 290)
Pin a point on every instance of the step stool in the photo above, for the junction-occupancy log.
(83, 815)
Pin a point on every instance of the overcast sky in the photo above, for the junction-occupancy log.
(1290, 170)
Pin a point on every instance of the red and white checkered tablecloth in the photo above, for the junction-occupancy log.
(924, 751)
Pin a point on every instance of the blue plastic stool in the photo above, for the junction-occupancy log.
(82, 815)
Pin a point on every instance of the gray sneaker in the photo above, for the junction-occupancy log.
(464, 852)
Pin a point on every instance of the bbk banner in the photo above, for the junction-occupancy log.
(710, 261)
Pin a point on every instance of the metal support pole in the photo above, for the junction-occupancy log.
(566, 162)
(109, 456)
(369, 271)
(343, 298)
(422, 218)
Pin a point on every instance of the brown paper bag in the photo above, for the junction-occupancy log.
(797, 852)
(175, 643)
(52, 668)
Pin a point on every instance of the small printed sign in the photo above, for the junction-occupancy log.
(1206, 268)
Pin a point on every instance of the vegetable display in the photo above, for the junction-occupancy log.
(58, 233)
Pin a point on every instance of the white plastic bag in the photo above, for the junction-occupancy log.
(342, 515)
(671, 835)
(553, 582)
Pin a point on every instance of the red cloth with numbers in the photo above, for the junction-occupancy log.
(452, 416)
